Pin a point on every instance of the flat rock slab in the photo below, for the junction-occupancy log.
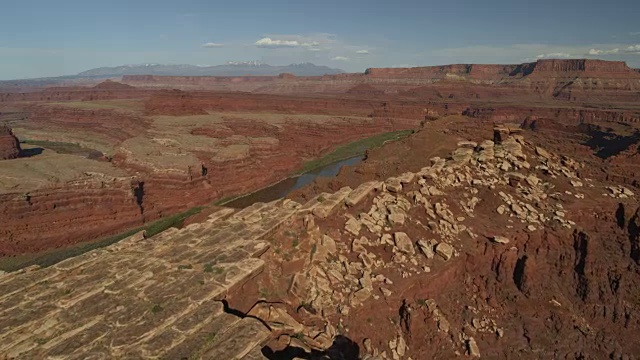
(145, 298)
(361, 192)
(328, 204)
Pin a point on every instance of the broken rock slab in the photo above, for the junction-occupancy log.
(426, 247)
(353, 226)
(444, 250)
(361, 192)
(403, 242)
(500, 239)
(393, 185)
(328, 204)
(472, 347)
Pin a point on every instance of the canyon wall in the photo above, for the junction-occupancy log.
(566, 80)
(69, 213)
(108, 90)
(570, 116)
(9, 144)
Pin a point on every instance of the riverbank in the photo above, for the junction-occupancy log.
(336, 158)
(353, 149)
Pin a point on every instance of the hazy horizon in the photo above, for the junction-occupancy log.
(54, 39)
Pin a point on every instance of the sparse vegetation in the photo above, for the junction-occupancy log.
(52, 257)
(209, 268)
(185, 267)
(156, 308)
(321, 198)
(354, 148)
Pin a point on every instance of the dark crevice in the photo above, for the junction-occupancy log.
(229, 310)
(518, 273)
(620, 217)
(138, 192)
(581, 242)
(342, 348)
(634, 236)
(235, 312)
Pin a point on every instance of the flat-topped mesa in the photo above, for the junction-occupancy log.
(501, 72)
(113, 85)
(141, 298)
(9, 144)
(437, 72)
(581, 65)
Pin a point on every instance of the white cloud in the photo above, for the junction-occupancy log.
(288, 41)
(340, 58)
(603, 52)
(212, 45)
(554, 55)
(267, 42)
(363, 52)
(632, 49)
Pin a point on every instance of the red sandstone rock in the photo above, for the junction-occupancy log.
(9, 144)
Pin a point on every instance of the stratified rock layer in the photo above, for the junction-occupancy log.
(9, 144)
(145, 298)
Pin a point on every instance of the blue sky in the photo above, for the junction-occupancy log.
(50, 38)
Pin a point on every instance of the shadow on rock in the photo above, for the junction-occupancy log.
(31, 152)
(342, 348)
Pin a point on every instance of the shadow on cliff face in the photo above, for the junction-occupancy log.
(606, 142)
(634, 236)
(342, 348)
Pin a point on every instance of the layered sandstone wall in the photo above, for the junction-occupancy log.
(64, 215)
(581, 65)
(99, 92)
(106, 125)
(9, 144)
(83, 210)
(567, 115)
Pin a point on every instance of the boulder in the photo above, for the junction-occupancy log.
(445, 250)
(403, 242)
(472, 348)
(353, 226)
(542, 153)
(426, 247)
(393, 185)
(500, 239)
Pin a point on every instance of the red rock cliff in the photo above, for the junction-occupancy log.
(9, 145)
(581, 65)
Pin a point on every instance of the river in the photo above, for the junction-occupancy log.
(284, 187)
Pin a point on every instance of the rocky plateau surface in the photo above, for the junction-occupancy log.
(498, 248)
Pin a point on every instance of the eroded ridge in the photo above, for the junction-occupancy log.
(144, 298)
(410, 235)
(404, 249)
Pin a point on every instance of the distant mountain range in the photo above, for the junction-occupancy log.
(90, 77)
(229, 69)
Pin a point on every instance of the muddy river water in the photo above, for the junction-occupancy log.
(284, 187)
